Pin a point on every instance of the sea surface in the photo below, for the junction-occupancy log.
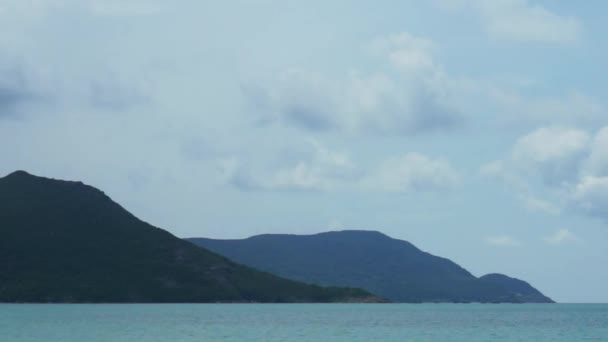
(304, 322)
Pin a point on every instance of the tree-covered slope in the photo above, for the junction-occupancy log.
(514, 287)
(391, 268)
(68, 242)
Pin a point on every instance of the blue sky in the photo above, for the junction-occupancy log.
(474, 129)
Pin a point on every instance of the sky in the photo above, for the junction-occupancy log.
(477, 130)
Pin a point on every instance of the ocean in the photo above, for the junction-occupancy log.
(304, 322)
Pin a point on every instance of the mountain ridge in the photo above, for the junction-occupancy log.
(64, 241)
(392, 268)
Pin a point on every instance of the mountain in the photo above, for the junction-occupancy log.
(391, 268)
(525, 292)
(68, 242)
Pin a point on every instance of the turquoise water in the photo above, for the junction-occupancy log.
(304, 322)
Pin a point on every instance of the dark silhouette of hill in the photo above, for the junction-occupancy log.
(68, 242)
(391, 268)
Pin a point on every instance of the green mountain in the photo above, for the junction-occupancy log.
(393, 269)
(68, 242)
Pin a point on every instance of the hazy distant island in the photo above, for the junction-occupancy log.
(68, 242)
(390, 268)
(63, 241)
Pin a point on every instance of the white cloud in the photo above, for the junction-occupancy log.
(503, 241)
(520, 20)
(590, 195)
(597, 164)
(493, 169)
(553, 153)
(535, 204)
(414, 94)
(407, 52)
(560, 237)
(416, 98)
(518, 183)
(26, 87)
(549, 144)
(322, 170)
(413, 172)
(300, 98)
(326, 170)
(501, 170)
(569, 108)
(520, 102)
(572, 164)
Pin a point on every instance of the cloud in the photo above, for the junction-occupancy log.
(322, 170)
(553, 153)
(519, 184)
(520, 20)
(535, 204)
(413, 172)
(198, 149)
(597, 163)
(17, 89)
(494, 169)
(568, 108)
(547, 144)
(25, 83)
(115, 95)
(95, 74)
(556, 152)
(416, 98)
(325, 170)
(503, 241)
(409, 53)
(408, 93)
(11, 96)
(590, 196)
(572, 164)
(560, 237)
(299, 98)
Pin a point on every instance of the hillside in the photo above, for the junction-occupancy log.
(68, 242)
(391, 268)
